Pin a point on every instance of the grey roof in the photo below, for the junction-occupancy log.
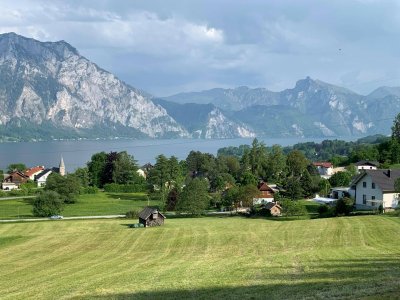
(270, 205)
(147, 211)
(367, 163)
(383, 178)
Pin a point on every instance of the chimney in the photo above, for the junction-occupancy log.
(388, 173)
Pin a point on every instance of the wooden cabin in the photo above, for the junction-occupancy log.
(274, 208)
(151, 216)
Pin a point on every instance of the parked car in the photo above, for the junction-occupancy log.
(56, 217)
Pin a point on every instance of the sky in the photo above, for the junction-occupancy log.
(170, 46)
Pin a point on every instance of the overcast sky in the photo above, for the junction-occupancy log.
(171, 46)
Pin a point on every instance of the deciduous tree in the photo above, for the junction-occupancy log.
(194, 198)
(47, 203)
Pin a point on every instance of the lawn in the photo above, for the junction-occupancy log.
(87, 205)
(202, 258)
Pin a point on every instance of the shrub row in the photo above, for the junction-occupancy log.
(125, 188)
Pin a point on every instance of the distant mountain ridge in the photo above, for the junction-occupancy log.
(312, 108)
(49, 91)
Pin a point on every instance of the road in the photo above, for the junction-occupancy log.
(65, 218)
(16, 197)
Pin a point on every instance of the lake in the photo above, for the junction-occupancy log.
(77, 153)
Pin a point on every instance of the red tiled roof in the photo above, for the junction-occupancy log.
(33, 170)
(323, 164)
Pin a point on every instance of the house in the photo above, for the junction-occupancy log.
(266, 195)
(151, 216)
(366, 165)
(32, 172)
(8, 186)
(274, 208)
(325, 169)
(376, 187)
(17, 178)
(142, 173)
(41, 178)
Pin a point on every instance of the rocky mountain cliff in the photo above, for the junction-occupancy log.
(312, 108)
(205, 120)
(48, 90)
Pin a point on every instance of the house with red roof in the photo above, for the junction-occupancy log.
(325, 169)
(32, 172)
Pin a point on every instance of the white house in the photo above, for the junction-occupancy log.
(376, 187)
(325, 169)
(42, 177)
(366, 165)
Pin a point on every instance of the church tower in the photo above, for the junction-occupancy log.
(62, 167)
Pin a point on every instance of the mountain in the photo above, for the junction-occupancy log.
(228, 99)
(205, 120)
(48, 90)
(384, 91)
(312, 108)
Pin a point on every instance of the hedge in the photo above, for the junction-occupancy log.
(125, 188)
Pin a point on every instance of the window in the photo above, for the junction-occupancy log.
(364, 184)
(373, 197)
(364, 199)
(372, 203)
(373, 185)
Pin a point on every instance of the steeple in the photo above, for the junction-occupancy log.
(62, 167)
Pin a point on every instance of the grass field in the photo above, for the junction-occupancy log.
(202, 258)
(87, 205)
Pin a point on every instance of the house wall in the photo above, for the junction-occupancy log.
(391, 200)
(42, 180)
(368, 191)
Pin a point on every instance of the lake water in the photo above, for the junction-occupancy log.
(77, 153)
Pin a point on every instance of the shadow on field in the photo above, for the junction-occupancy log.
(369, 278)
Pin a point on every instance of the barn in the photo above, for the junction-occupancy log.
(151, 216)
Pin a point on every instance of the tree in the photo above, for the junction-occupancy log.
(276, 164)
(246, 195)
(16, 166)
(396, 128)
(124, 169)
(293, 188)
(292, 208)
(66, 186)
(344, 206)
(96, 168)
(1, 175)
(340, 179)
(397, 185)
(296, 163)
(194, 198)
(47, 203)
(230, 196)
(83, 176)
(324, 187)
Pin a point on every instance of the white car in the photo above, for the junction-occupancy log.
(56, 217)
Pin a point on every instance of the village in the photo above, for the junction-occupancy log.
(231, 184)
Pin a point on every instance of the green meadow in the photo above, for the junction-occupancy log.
(87, 205)
(202, 258)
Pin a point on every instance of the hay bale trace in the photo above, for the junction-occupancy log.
(151, 216)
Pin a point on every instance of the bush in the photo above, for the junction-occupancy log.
(89, 190)
(325, 211)
(132, 214)
(125, 188)
(344, 206)
(47, 204)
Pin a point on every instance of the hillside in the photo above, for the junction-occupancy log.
(202, 258)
